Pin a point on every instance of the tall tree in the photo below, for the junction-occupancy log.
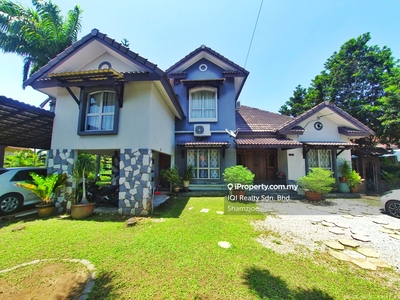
(355, 78)
(37, 34)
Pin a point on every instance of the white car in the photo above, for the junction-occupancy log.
(390, 203)
(13, 197)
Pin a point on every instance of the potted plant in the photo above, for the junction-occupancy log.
(344, 168)
(237, 177)
(172, 176)
(83, 166)
(188, 175)
(318, 182)
(46, 188)
(354, 181)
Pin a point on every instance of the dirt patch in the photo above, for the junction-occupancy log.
(44, 280)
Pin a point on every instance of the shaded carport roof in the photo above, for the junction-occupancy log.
(24, 125)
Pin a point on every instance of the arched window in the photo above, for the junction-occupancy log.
(203, 105)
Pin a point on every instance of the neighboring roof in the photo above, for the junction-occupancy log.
(250, 119)
(371, 151)
(325, 144)
(365, 130)
(153, 72)
(23, 125)
(231, 69)
(272, 142)
(203, 144)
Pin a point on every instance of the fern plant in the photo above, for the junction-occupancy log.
(45, 187)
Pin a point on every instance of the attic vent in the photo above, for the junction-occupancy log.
(237, 105)
(104, 65)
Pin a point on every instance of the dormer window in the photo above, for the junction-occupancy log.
(203, 105)
(99, 112)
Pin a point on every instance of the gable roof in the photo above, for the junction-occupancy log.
(361, 129)
(230, 68)
(252, 120)
(148, 71)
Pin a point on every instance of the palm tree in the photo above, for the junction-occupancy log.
(84, 165)
(37, 34)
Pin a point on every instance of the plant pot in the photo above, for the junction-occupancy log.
(45, 210)
(176, 189)
(354, 189)
(186, 183)
(343, 187)
(313, 196)
(239, 194)
(343, 179)
(81, 211)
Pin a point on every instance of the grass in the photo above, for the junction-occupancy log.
(175, 254)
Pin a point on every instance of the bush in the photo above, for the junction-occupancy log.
(238, 175)
(318, 181)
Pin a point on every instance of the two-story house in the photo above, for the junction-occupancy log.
(109, 100)
(208, 86)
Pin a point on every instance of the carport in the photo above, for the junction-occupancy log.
(24, 125)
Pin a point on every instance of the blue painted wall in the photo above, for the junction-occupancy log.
(226, 116)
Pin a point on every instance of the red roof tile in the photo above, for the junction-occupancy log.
(206, 144)
(249, 119)
(271, 142)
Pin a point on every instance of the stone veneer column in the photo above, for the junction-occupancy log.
(135, 182)
(61, 161)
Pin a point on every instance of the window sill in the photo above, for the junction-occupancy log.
(108, 132)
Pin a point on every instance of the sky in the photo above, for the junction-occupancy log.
(292, 41)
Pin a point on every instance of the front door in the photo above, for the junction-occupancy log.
(261, 162)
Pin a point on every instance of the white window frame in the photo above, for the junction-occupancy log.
(199, 89)
(100, 114)
(318, 151)
(198, 167)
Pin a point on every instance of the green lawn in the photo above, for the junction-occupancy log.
(175, 254)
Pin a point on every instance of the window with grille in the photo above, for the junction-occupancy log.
(206, 163)
(320, 158)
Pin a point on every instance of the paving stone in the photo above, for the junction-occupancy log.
(391, 227)
(358, 232)
(220, 212)
(342, 225)
(224, 244)
(349, 243)
(356, 215)
(361, 238)
(354, 254)
(130, 222)
(334, 245)
(347, 216)
(395, 236)
(18, 228)
(384, 230)
(368, 252)
(205, 210)
(364, 264)
(378, 262)
(337, 230)
(380, 222)
(397, 232)
(340, 255)
(328, 224)
(315, 221)
(344, 209)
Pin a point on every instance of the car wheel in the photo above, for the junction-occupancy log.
(10, 203)
(392, 208)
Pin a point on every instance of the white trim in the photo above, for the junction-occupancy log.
(203, 88)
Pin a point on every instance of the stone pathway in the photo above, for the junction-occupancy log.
(343, 249)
